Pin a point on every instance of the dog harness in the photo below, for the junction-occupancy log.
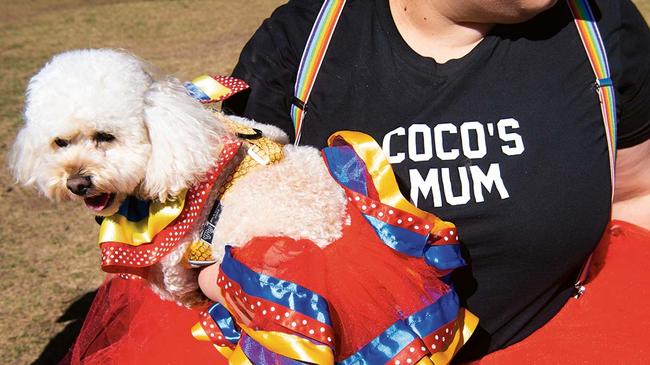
(260, 151)
(141, 233)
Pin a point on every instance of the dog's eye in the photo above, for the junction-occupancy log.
(104, 137)
(61, 142)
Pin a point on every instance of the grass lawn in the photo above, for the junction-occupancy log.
(48, 259)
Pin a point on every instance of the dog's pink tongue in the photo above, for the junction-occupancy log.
(97, 202)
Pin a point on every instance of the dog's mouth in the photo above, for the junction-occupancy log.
(99, 202)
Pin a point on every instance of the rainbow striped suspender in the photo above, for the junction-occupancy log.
(312, 58)
(593, 43)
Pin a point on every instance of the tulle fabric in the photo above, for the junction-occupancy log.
(368, 285)
(609, 323)
(129, 324)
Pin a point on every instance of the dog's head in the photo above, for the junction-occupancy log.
(100, 125)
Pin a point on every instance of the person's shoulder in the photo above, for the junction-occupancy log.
(301, 12)
(289, 24)
(610, 14)
(309, 5)
(297, 12)
(610, 7)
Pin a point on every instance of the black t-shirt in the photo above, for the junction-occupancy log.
(507, 142)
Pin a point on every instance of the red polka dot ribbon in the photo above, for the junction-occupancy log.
(118, 257)
(213, 331)
(270, 301)
(210, 89)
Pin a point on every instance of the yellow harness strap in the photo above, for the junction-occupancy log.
(261, 151)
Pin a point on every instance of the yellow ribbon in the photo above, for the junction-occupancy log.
(117, 228)
(238, 357)
(467, 324)
(303, 350)
(284, 344)
(199, 333)
(385, 182)
(291, 346)
(383, 176)
(211, 87)
(287, 345)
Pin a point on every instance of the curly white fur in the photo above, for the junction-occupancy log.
(307, 194)
(164, 142)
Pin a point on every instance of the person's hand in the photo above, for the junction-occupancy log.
(208, 283)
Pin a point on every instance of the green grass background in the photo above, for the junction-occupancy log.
(48, 258)
(48, 255)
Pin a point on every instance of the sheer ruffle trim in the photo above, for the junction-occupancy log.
(298, 328)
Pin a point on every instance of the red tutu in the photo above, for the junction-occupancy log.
(129, 324)
(367, 285)
(609, 323)
(376, 295)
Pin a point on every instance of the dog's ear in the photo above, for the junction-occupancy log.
(184, 139)
(24, 158)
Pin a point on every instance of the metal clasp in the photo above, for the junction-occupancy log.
(580, 290)
(604, 82)
(255, 153)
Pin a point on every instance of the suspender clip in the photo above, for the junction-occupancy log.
(604, 82)
(299, 103)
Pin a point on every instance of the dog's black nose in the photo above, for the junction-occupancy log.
(78, 184)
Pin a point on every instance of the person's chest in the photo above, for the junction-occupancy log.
(509, 136)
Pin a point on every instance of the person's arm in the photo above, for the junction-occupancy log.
(628, 45)
(632, 197)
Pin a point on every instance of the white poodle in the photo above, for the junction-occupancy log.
(101, 125)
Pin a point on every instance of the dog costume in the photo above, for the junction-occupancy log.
(376, 295)
(379, 294)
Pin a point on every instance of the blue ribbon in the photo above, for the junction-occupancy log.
(383, 347)
(429, 319)
(134, 209)
(444, 257)
(347, 168)
(282, 292)
(195, 92)
(351, 171)
(420, 324)
(223, 319)
(398, 238)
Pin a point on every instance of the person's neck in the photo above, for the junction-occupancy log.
(431, 28)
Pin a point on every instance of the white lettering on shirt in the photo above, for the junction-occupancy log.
(417, 131)
(518, 146)
(473, 179)
(399, 157)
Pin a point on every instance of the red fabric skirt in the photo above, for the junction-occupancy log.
(609, 323)
(368, 285)
(129, 324)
